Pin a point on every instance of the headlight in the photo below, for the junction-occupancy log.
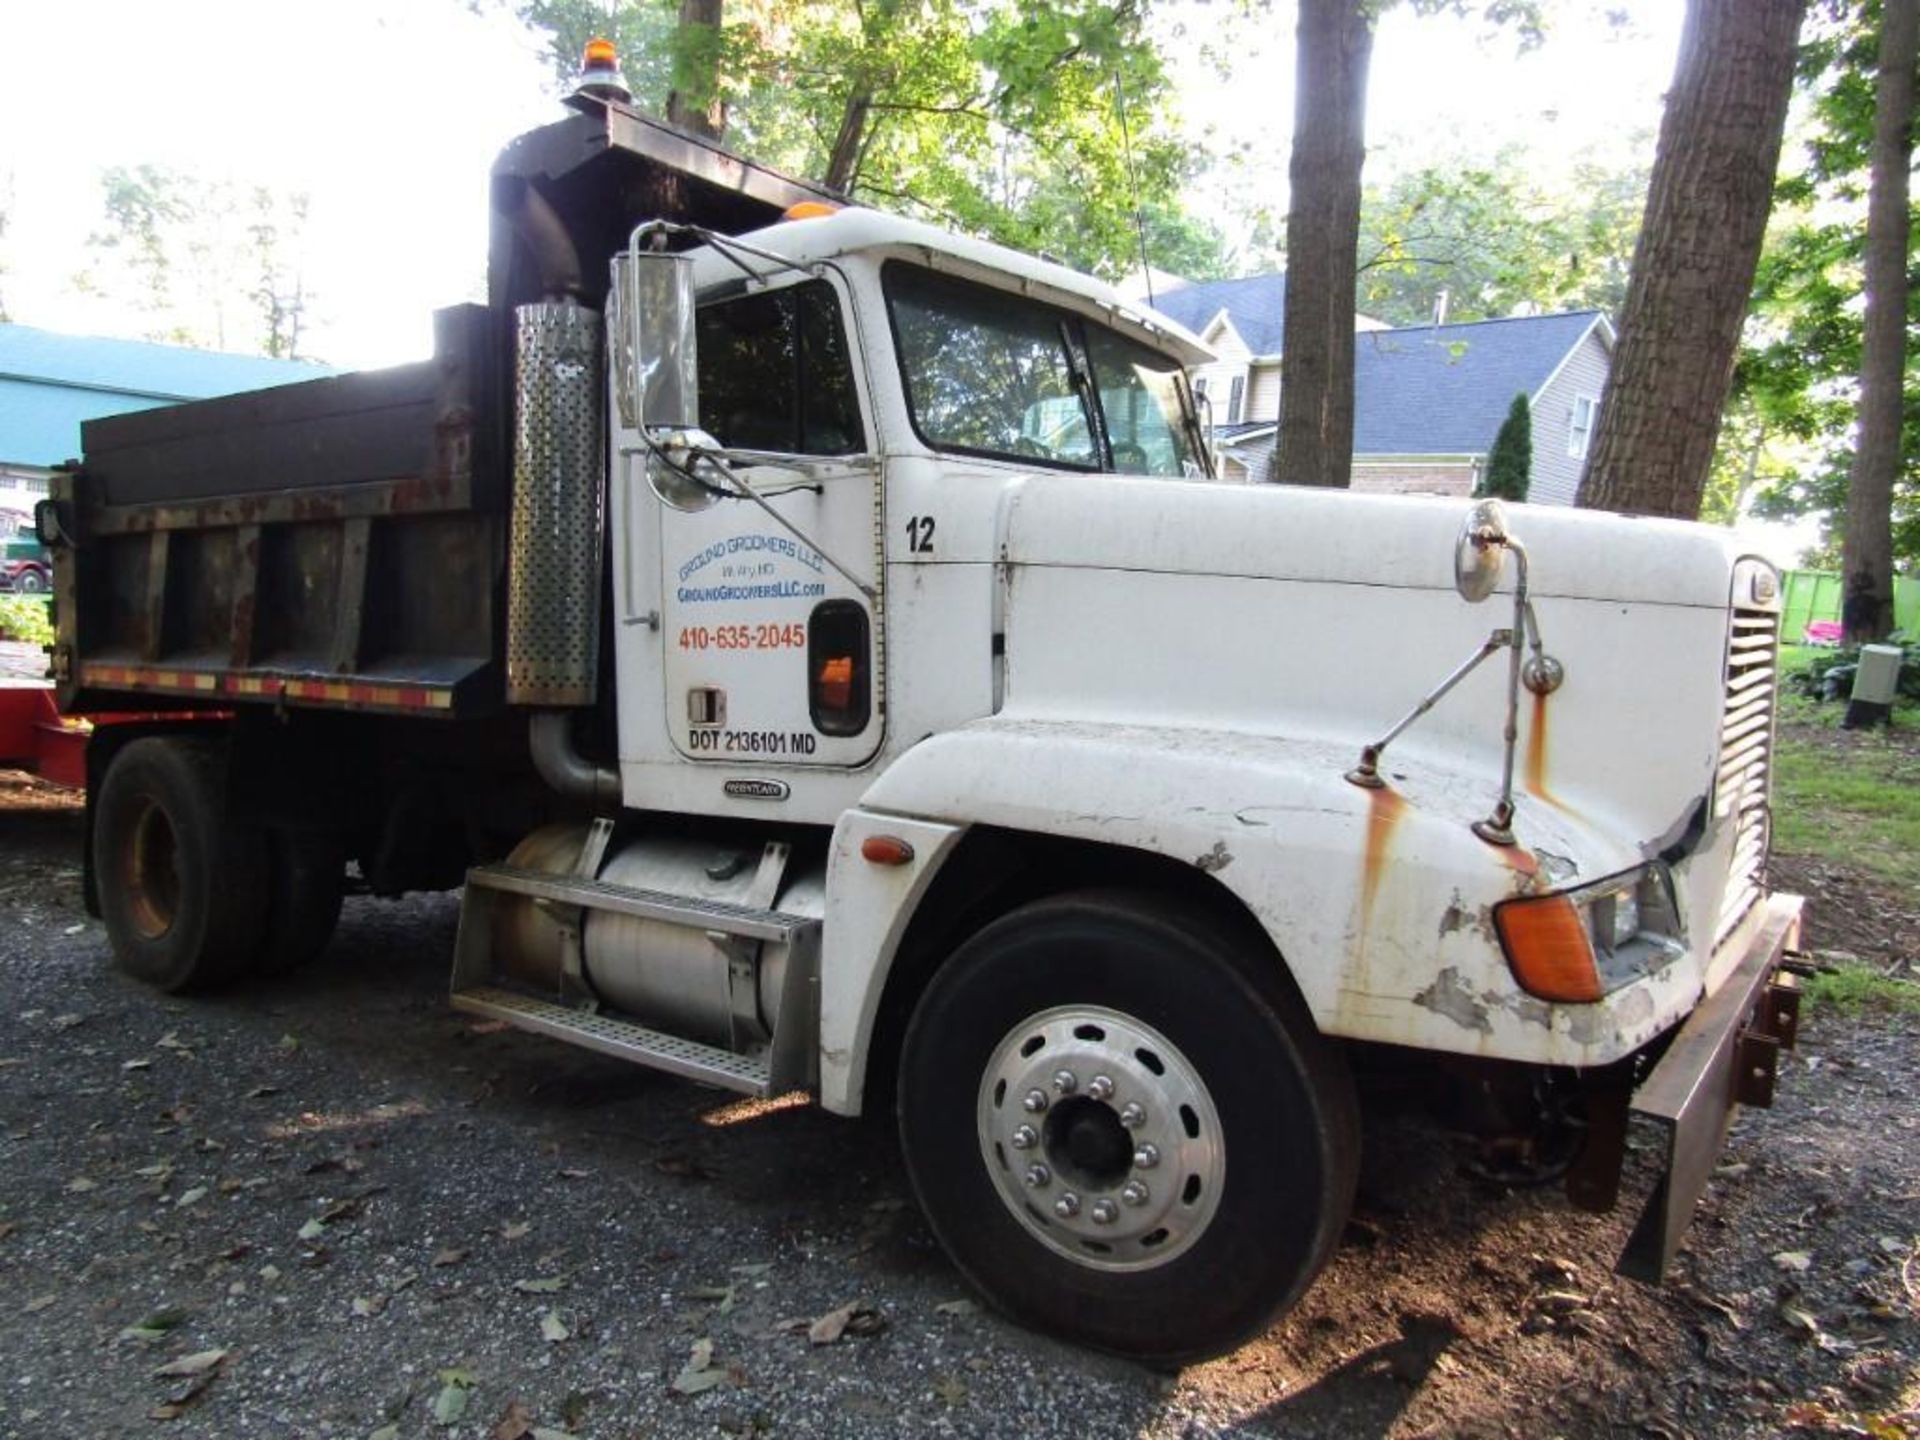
(1576, 946)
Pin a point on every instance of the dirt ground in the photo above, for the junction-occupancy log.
(335, 1208)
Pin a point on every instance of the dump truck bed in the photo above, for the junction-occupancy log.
(343, 543)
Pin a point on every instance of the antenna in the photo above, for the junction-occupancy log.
(1133, 184)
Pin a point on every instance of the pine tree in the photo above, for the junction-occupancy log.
(1510, 462)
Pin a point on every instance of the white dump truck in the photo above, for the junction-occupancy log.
(815, 642)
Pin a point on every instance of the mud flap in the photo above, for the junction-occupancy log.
(1724, 1056)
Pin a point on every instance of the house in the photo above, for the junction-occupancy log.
(1428, 399)
(50, 382)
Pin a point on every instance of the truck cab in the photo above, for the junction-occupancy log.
(816, 644)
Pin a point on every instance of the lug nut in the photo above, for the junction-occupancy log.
(1132, 1116)
(1134, 1193)
(1105, 1212)
(1035, 1101)
(1146, 1157)
(1099, 1088)
(1038, 1177)
(1025, 1138)
(1065, 1082)
(1067, 1206)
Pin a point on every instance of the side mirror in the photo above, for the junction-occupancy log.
(1481, 551)
(650, 327)
(651, 331)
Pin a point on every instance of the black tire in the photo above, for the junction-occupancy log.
(183, 888)
(304, 906)
(1277, 1098)
(30, 581)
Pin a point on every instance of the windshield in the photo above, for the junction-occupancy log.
(989, 373)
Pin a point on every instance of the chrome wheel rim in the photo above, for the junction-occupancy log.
(1101, 1138)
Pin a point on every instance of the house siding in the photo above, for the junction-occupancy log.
(1556, 475)
(1231, 360)
(1263, 398)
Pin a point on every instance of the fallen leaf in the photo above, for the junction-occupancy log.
(575, 1174)
(73, 929)
(36, 1305)
(697, 1375)
(136, 1064)
(516, 1424)
(1797, 1261)
(342, 1210)
(857, 1318)
(956, 1307)
(949, 1389)
(197, 1363)
(80, 1184)
(386, 1432)
(312, 1230)
(753, 1272)
(7, 1227)
(369, 1306)
(155, 1172)
(548, 1286)
(171, 1041)
(450, 1404)
(1799, 1317)
(514, 1229)
(289, 1042)
(444, 1258)
(184, 1398)
(190, 1197)
(553, 1330)
(488, 1027)
(723, 1294)
(67, 1022)
(260, 1092)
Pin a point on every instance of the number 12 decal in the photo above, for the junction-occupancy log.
(920, 534)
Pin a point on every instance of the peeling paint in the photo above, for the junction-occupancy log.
(1216, 859)
(1454, 918)
(1557, 868)
(1448, 996)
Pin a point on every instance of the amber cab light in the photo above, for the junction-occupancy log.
(1548, 947)
(809, 210)
(600, 55)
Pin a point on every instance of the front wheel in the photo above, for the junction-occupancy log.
(1124, 1129)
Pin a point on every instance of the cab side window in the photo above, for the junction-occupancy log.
(776, 373)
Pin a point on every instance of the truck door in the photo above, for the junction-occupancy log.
(772, 649)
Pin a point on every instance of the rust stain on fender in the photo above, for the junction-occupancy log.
(1534, 774)
(1385, 807)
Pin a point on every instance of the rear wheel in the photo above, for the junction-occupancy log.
(183, 888)
(1124, 1130)
(305, 904)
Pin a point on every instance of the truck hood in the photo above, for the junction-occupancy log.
(1292, 533)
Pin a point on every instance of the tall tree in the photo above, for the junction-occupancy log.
(996, 117)
(1333, 48)
(696, 101)
(1867, 555)
(209, 262)
(1693, 266)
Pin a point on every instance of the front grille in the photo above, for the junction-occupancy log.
(1746, 756)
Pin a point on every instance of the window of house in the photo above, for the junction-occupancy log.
(775, 373)
(1234, 397)
(1580, 427)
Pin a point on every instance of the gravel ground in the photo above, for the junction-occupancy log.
(386, 1217)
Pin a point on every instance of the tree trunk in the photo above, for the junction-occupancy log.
(1867, 548)
(694, 103)
(843, 161)
(1315, 441)
(1693, 266)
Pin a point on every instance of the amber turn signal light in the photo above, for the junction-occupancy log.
(886, 850)
(1549, 949)
(599, 55)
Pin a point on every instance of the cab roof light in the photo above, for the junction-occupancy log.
(600, 72)
(810, 210)
(1549, 948)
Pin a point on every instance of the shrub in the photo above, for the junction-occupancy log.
(1510, 462)
(26, 618)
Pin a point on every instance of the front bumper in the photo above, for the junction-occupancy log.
(1724, 1055)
